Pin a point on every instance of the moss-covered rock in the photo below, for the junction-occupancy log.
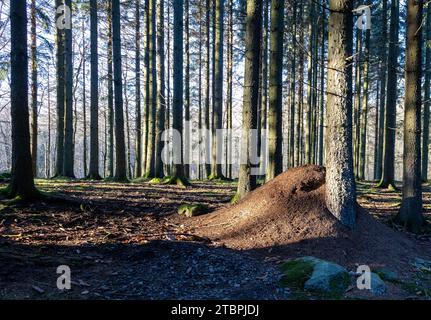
(316, 275)
(192, 210)
(378, 286)
(297, 272)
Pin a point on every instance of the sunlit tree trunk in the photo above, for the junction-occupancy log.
(340, 181)
(161, 101)
(275, 112)
(152, 91)
(207, 90)
(138, 114)
(247, 178)
(216, 167)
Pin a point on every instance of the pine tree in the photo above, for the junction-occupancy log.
(410, 214)
(340, 182)
(120, 148)
(247, 178)
(22, 183)
(275, 112)
(94, 108)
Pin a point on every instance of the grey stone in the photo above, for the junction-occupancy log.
(327, 277)
(378, 286)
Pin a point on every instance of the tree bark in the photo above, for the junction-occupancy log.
(60, 67)
(381, 112)
(247, 178)
(111, 115)
(427, 96)
(161, 101)
(275, 112)
(22, 184)
(410, 214)
(94, 108)
(68, 167)
(120, 148)
(216, 167)
(388, 174)
(34, 86)
(340, 182)
(138, 114)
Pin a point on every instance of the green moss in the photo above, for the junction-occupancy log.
(192, 210)
(296, 273)
(182, 182)
(156, 181)
(138, 180)
(338, 285)
(392, 188)
(235, 199)
(387, 275)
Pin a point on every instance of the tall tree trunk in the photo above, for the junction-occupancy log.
(199, 167)
(364, 107)
(147, 112)
(230, 93)
(138, 120)
(22, 184)
(388, 174)
(293, 89)
(207, 92)
(383, 68)
(322, 88)
(217, 151)
(61, 73)
(275, 113)
(68, 114)
(177, 107)
(340, 181)
(357, 99)
(120, 148)
(48, 163)
(300, 102)
(152, 91)
(187, 127)
(34, 86)
(84, 101)
(427, 97)
(308, 126)
(262, 113)
(168, 88)
(410, 214)
(94, 108)
(247, 174)
(111, 115)
(161, 101)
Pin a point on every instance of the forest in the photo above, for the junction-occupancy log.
(215, 149)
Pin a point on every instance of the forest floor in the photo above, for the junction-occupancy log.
(126, 241)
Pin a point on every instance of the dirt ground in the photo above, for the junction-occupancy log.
(126, 241)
